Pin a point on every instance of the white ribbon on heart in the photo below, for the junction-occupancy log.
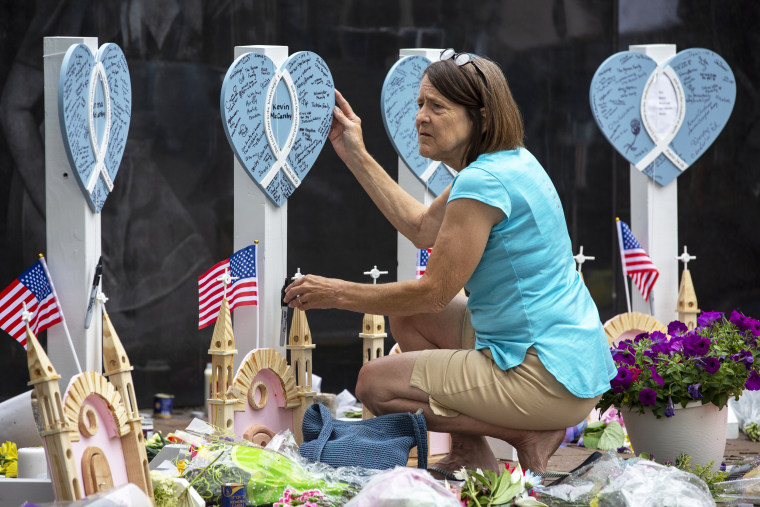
(281, 155)
(425, 176)
(662, 144)
(99, 72)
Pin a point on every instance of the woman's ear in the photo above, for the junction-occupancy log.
(483, 117)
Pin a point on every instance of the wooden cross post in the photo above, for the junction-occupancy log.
(654, 221)
(256, 217)
(73, 230)
(405, 250)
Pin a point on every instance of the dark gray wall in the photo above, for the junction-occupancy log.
(170, 216)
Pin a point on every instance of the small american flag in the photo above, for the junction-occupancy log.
(34, 289)
(242, 291)
(422, 260)
(636, 262)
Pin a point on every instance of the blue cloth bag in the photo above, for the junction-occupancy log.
(380, 443)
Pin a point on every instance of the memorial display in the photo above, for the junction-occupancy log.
(277, 119)
(94, 109)
(662, 118)
(399, 108)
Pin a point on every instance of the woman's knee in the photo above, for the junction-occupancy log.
(366, 382)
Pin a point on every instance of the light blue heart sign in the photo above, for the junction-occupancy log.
(277, 120)
(94, 110)
(399, 109)
(661, 119)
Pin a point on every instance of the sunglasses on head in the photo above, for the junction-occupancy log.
(459, 58)
(462, 59)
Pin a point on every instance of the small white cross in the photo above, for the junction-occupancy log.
(298, 274)
(26, 315)
(226, 279)
(101, 297)
(580, 259)
(685, 258)
(375, 274)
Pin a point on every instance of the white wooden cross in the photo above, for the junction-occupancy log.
(26, 315)
(580, 259)
(226, 278)
(685, 258)
(375, 274)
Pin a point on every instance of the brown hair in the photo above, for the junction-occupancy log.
(480, 85)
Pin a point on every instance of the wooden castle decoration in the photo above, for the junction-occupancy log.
(580, 259)
(93, 436)
(628, 325)
(222, 352)
(687, 306)
(266, 395)
(373, 334)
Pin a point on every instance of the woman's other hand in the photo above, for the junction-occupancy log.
(346, 132)
(311, 291)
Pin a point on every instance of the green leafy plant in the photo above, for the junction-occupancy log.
(683, 462)
(712, 363)
(603, 436)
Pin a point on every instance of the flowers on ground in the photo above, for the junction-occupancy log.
(486, 488)
(711, 363)
(8, 459)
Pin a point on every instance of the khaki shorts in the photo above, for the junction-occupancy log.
(469, 382)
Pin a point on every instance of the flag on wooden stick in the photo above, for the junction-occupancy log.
(636, 263)
(234, 277)
(31, 295)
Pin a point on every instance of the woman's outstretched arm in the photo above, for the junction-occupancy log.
(417, 222)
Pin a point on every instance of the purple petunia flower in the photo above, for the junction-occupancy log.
(754, 327)
(669, 410)
(656, 376)
(753, 382)
(710, 364)
(648, 397)
(739, 320)
(622, 380)
(677, 327)
(745, 357)
(624, 356)
(640, 336)
(695, 345)
(707, 318)
(693, 391)
(658, 337)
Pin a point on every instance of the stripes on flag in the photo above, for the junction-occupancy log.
(33, 289)
(636, 263)
(422, 259)
(242, 291)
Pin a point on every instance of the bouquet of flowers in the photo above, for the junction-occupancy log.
(709, 364)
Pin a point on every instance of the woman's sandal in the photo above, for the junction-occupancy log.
(445, 473)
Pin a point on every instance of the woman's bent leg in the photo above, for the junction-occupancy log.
(383, 386)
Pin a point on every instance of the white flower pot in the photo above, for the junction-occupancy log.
(697, 430)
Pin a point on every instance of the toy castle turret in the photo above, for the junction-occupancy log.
(55, 430)
(118, 370)
(301, 349)
(687, 306)
(222, 352)
(373, 334)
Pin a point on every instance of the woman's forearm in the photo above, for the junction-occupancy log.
(414, 220)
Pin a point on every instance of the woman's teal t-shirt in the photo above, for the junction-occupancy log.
(525, 291)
